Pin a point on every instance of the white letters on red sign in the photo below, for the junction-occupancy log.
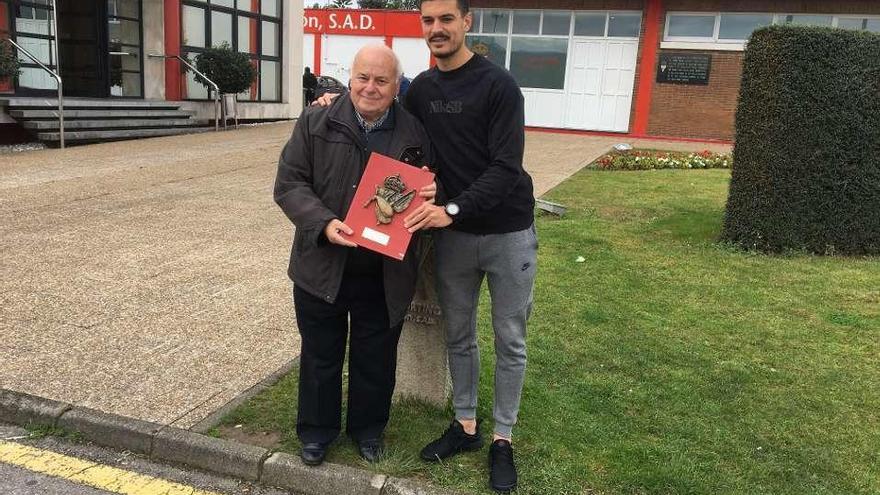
(365, 22)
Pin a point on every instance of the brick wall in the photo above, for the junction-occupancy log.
(708, 111)
(696, 111)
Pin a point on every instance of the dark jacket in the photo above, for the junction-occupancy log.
(318, 174)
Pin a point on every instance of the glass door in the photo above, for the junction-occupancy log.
(81, 44)
(124, 48)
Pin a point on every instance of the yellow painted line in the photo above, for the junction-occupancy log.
(90, 473)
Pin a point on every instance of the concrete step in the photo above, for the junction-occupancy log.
(102, 114)
(39, 125)
(85, 103)
(91, 136)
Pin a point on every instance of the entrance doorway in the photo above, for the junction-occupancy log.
(100, 50)
(82, 48)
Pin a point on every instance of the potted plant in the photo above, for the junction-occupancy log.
(231, 71)
(10, 67)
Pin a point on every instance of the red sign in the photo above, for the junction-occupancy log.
(362, 22)
(388, 192)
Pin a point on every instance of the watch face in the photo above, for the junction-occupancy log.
(452, 209)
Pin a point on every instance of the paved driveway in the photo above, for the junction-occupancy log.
(147, 278)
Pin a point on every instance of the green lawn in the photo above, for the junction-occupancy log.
(667, 363)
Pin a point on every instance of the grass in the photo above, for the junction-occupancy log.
(666, 363)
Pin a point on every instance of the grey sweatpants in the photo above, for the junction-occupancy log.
(508, 261)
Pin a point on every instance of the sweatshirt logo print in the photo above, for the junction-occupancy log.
(440, 106)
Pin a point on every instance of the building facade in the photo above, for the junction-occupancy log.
(107, 49)
(666, 68)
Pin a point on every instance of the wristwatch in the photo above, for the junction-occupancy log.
(452, 209)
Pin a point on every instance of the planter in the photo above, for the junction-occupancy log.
(229, 107)
(6, 85)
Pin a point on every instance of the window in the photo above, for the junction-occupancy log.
(492, 47)
(624, 25)
(248, 26)
(691, 26)
(808, 20)
(556, 23)
(859, 24)
(589, 24)
(33, 31)
(221, 28)
(740, 26)
(495, 21)
(526, 22)
(539, 62)
(730, 31)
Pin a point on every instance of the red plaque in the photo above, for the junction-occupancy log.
(387, 193)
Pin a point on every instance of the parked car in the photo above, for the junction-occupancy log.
(327, 84)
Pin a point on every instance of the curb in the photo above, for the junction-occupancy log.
(215, 455)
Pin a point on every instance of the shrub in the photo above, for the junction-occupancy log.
(655, 160)
(9, 64)
(806, 168)
(230, 70)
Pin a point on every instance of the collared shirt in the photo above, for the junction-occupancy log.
(369, 127)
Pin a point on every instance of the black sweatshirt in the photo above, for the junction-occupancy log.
(475, 119)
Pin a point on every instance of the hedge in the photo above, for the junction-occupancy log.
(806, 161)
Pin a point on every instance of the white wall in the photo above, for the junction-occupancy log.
(154, 42)
(292, 62)
(308, 51)
(338, 52)
(413, 54)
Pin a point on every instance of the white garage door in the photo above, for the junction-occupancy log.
(338, 52)
(413, 54)
(599, 87)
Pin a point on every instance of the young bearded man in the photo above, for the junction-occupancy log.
(473, 112)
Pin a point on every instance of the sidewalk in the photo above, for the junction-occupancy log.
(148, 278)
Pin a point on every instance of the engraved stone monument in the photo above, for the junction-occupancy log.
(422, 369)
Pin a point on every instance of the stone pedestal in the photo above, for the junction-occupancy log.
(422, 368)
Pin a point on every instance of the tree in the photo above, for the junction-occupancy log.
(403, 4)
(340, 4)
(9, 65)
(230, 70)
(389, 4)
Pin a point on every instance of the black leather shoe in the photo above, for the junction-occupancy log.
(502, 470)
(313, 453)
(453, 441)
(371, 450)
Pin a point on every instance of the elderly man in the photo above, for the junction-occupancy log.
(342, 291)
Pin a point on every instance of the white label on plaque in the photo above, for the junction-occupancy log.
(375, 236)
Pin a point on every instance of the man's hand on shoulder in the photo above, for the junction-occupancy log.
(427, 216)
(334, 231)
(325, 99)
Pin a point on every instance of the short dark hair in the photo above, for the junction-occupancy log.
(463, 5)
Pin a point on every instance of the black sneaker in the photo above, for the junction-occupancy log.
(453, 441)
(502, 470)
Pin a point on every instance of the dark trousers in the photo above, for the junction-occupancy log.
(372, 360)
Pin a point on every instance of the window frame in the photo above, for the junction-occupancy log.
(257, 57)
(717, 44)
(477, 31)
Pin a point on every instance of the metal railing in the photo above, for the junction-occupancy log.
(60, 87)
(214, 85)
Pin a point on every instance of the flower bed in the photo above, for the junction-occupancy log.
(654, 160)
